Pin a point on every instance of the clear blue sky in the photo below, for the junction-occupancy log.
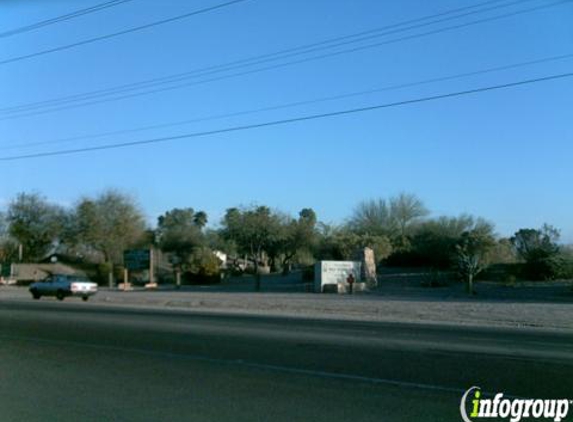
(503, 155)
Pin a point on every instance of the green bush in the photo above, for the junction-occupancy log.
(308, 273)
(547, 267)
(200, 279)
(502, 272)
(203, 267)
(101, 274)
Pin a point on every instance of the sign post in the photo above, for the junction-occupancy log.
(125, 279)
(139, 260)
(151, 277)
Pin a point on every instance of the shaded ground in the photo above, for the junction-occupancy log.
(410, 285)
(414, 284)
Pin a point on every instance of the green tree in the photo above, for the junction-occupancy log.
(108, 224)
(342, 243)
(204, 263)
(179, 232)
(8, 246)
(35, 224)
(215, 240)
(473, 252)
(406, 209)
(393, 218)
(540, 251)
(503, 252)
(298, 236)
(530, 242)
(373, 217)
(200, 219)
(254, 231)
(433, 242)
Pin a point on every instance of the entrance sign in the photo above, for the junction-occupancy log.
(137, 259)
(334, 273)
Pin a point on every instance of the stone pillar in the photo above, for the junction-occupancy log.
(368, 267)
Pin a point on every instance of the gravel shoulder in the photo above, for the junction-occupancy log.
(427, 306)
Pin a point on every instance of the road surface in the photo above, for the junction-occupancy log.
(71, 361)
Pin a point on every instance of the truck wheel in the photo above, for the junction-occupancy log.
(35, 294)
(60, 295)
(85, 298)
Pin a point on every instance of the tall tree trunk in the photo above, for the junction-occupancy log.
(286, 264)
(107, 260)
(470, 283)
(110, 276)
(257, 276)
(273, 263)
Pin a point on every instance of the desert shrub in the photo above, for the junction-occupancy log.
(199, 279)
(435, 278)
(503, 252)
(544, 258)
(502, 272)
(343, 244)
(433, 242)
(101, 273)
(202, 267)
(426, 250)
(308, 273)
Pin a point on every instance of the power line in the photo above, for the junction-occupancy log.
(67, 16)
(22, 110)
(237, 64)
(288, 121)
(116, 34)
(296, 103)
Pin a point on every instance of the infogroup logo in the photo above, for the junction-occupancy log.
(514, 409)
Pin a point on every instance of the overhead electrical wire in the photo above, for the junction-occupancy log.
(292, 104)
(62, 18)
(287, 121)
(250, 61)
(83, 99)
(176, 77)
(119, 33)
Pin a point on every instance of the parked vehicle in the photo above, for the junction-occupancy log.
(61, 286)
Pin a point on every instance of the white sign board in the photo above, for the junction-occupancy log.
(334, 272)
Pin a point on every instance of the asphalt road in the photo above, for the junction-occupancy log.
(75, 362)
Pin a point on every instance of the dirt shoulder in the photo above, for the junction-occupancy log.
(435, 307)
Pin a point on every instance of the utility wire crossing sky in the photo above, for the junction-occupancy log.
(82, 71)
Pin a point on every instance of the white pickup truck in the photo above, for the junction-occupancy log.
(61, 286)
